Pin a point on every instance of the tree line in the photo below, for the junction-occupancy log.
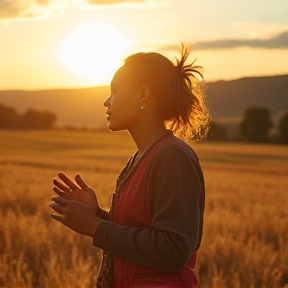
(255, 126)
(30, 119)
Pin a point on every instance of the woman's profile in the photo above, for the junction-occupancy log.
(151, 234)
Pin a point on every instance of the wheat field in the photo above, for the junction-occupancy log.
(245, 239)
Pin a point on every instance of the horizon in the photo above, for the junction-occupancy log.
(54, 43)
(99, 86)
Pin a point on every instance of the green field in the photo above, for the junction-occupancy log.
(245, 240)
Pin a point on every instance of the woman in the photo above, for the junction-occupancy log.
(152, 232)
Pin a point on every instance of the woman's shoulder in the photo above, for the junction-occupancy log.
(175, 158)
(174, 146)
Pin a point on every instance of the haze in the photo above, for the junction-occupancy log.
(80, 43)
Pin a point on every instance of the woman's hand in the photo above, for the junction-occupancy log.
(78, 191)
(75, 215)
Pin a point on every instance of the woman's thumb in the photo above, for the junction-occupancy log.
(81, 182)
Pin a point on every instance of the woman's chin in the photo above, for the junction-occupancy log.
(112, 127)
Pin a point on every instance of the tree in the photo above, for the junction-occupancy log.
(30, 119)
(283, 127)
(8, 117)
(48, 120)
(217, 132)
(256, 124)
(33, 119)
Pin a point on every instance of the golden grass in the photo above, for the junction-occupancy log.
(246, 218)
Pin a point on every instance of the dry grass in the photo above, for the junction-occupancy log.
(246, 218)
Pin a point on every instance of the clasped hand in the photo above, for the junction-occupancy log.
(76, 205)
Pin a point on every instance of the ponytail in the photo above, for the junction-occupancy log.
(191, 120)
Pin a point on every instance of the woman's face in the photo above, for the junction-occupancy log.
(123, 103)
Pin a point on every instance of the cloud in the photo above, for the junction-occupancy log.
(10, 9)
(31, 8)
(13, 9)
(279, 41)
(107, 4)
(113, 2)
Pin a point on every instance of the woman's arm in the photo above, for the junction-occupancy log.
(175, 194)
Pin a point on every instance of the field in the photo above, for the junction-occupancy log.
(245, 241)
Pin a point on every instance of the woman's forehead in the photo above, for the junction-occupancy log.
(122, 76)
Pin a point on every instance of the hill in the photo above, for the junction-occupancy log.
(79, 107)
(227, 100)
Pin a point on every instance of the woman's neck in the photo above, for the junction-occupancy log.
(146, 135)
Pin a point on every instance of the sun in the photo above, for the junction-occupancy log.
(93, 52)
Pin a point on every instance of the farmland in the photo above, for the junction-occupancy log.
(245, 239)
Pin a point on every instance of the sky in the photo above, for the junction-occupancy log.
(47, 44)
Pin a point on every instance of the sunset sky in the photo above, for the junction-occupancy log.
(80, 43)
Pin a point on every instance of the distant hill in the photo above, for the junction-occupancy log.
(79, 107)
(227, 100)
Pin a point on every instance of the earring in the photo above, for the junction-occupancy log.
(142, 106)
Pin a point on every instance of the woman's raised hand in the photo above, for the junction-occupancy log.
(78, 191)
(75, 216)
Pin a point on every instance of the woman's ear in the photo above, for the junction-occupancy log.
(145, 94)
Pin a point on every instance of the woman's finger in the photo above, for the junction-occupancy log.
(67, 181)
(61, 193)
(57, 208)
(58, 217)
(60, 185)
(61, 201)
(79, 180)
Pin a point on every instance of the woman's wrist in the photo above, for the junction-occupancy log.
(102, 213)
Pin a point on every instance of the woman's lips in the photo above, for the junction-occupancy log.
(108, 116)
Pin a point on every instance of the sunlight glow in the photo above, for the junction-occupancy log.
(94, 51)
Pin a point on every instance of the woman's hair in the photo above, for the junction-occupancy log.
(178, 89)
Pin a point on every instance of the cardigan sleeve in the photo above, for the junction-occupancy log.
(174, 195)
(103, 214)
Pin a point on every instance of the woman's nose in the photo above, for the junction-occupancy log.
(107, 101)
